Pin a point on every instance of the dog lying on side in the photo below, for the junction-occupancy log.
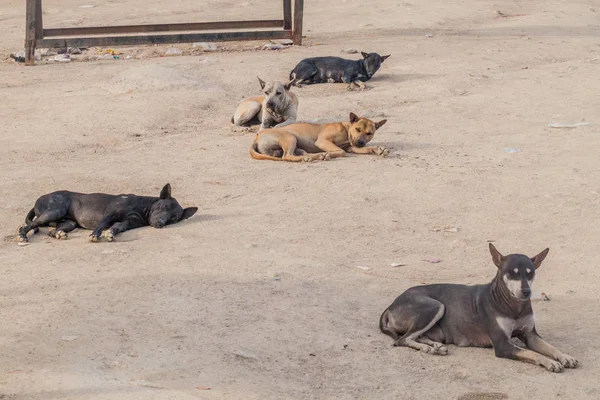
(335, 69)
(427, 317)
(98, 211)
(277, 106)
(310, 142)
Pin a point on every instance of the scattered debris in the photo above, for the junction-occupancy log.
(398, 265)
(274, 46)
(432, 260)
(364, 268)
(173, 51)
(23, 243)
(540, 296)
(203, 388)
(350, 51)
(244, 355)
(74, 50)
(18, 58)
(287, 42)
(567, 125)
(276, 277)
(444, 229)
(205, 46)
(312, 355)
(61, 58)
(87, 6)
(428, 35)
(68, 338)
(512, 150)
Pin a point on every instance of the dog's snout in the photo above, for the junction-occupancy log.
(270, 104)
(526, 292)
(360, 143)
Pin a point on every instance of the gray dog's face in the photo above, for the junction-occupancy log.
(373, 62)
(362, 130)
(517, 271)
(167, 210)
(275, 93)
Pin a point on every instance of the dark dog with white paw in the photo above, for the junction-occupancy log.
(427, 317)
(102, 212)
(335, 69)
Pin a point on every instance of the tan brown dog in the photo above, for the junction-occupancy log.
(277, 106)
(309, 142)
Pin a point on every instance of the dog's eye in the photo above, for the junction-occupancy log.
(358, 130)
(278, 93)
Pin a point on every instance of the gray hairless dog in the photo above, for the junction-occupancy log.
(427, 317)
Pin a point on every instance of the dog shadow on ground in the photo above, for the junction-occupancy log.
(397, 78)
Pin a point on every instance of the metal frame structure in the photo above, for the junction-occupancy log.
(36, 36)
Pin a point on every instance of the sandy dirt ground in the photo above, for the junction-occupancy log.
(259, 296)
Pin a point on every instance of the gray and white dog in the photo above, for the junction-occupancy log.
(275, 107)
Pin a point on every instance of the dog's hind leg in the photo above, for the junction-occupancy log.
(303, 73)
(415, 319)
(62, 228)
(42, 220)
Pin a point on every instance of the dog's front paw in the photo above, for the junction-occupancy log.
(58, 234)
(381, 151)
(440, 349)
(553, 366)
(567, 361)
(94, 238)
(108, 235)
(22, 239)
(330, 80)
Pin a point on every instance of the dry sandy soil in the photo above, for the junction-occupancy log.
(259, 295)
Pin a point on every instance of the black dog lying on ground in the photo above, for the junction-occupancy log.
(336, 69)
(98, 211)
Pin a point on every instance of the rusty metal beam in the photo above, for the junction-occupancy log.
(163, 39)
(198, 26)
(30, 32)
(287, 14)
(298, 17)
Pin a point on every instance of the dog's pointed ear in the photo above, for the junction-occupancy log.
(165, 193)
(288, 85)
(537, 260)
(353, 118)
(188, 212)
(262, 83)
(380, 123)
(496, 256)
(365, 55)
(383, 58)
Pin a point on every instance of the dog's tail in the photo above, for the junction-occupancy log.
(383, 325)
(259, 156)
(29, 219)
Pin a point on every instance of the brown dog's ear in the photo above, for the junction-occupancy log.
(188, 212)
(262, 83)
(383, 58)
(165, 193)
(496, 256)
(537, 260)
(380, 123)
(353, 118)
(289, 84)
(365, 55)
